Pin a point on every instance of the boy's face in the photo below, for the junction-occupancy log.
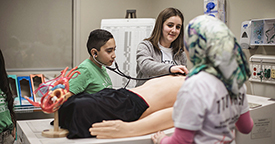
(107, 55)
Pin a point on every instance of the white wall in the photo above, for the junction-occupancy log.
(89, 13)
(92, 11)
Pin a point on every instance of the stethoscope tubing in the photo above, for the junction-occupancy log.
(119, 72)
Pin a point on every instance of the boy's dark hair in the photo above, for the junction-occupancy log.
(5, 87)
(97, 39)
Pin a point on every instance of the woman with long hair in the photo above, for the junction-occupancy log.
(162, 52)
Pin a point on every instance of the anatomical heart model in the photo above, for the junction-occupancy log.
(53, 93)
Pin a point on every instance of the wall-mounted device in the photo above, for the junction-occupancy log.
(257, 32)
(215, 8)
(245, 34)
(263, 75)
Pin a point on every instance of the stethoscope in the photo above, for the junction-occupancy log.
(119, 72)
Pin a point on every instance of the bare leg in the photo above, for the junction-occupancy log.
(159, 120)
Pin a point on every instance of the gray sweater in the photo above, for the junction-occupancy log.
(149, 62)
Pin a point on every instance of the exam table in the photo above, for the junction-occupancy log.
(262, 111)
(30, 132)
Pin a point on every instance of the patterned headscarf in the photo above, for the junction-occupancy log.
(213, 48)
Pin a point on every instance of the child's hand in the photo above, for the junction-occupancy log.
(157, 137)
(179, 69)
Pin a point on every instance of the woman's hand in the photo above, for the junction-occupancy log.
(111, 129)
(179, 69)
